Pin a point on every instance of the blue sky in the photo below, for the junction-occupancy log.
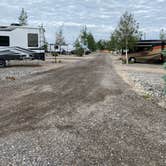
(100, 16)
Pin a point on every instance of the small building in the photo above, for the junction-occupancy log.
(22, 36)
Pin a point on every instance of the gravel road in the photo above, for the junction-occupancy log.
(82, 114)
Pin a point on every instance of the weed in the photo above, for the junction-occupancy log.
(146, 96)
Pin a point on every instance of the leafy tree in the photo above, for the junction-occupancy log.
(79, 49)
(127, 32)
(23, 17)
(113, 42)
(87, 39)
(100, 45)
(91, 42)
(103, 44)
(128, 29)
(84, 36)
(84, 41)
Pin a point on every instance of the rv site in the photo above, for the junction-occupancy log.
(83, 83)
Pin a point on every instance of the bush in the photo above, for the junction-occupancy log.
(54, 54)
(80, 51)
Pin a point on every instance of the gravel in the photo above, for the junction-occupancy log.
(79, 115)
(152, 83)
(145, 79)
(18, 69)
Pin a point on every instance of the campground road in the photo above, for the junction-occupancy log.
(83, 114)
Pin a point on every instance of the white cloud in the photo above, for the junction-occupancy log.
(100, 16)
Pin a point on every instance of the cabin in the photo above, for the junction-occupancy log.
(22, 36)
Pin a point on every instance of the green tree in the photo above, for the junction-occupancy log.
(84, 41)
(91, 42)
(78, 48)
(127, 32)
(84, 36)
(113, 42)
(103, 44)
(23, 17)
(128, 28)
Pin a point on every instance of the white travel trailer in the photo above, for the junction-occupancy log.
(21, 36)
(21, 42)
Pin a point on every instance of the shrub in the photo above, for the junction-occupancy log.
(80, 51)
(54, 54)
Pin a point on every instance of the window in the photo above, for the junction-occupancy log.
(143, 48)
(32, 40)
(4, 41)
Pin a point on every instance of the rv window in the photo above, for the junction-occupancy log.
(4, 41)
(142, 49)
(32, 40)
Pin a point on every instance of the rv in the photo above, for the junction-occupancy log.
(21, 42)
(146, 51)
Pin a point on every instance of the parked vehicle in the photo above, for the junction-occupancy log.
(18, 53)
(146, 51)
(21, 42)
(87, 52)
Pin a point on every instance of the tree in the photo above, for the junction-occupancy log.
(162, 34)
(87, 39)
(83, 36)
(79, 48)
(103, 45)
(84, 41)
(113, 42)
(23, 17)
(127, 32)
(60, 40)
(91, 42)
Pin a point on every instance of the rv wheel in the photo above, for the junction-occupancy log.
(132, 60)
(2, 63)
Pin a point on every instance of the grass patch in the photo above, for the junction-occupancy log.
(146, 96)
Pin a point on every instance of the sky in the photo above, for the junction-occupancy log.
(100, 16)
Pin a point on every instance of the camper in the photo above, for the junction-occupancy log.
(21, 42)
(146, 51)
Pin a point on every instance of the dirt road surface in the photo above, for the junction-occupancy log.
(82, 114)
